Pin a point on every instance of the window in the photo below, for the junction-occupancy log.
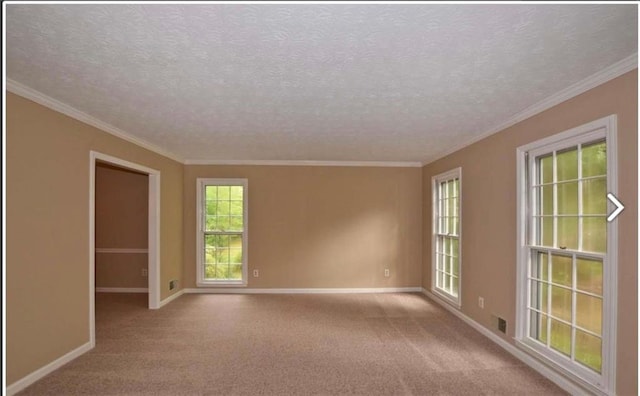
(566, 263)
(222, 232)
(445, 274)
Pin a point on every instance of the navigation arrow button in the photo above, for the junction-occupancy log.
(619, 207)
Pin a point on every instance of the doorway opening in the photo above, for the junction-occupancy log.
(126, 248)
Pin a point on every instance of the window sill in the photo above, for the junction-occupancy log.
(581, 380)
(222, 284)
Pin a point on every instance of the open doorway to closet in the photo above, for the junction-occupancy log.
(124, 228)
(121, 215)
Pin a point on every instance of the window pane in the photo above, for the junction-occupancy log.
(589, 350)
(235, 223)
(222, 223)
(546, 169)
(455, 246)
(210, 255)
(209, 271)
(561, 270)
(594, 159)
(568, 198)
(568, 232)
(538, 327)
(447, 283)
(589, 276)
(454, 286)
(447, 264)
(539, 266)
(235, 271)
(224, 193)
(235, 208)
(236, 193)
(454, 266)
(210, 223)
(223, 208)
(589, 312)
(546, 231)
(546, 200)
(561, 303)
(594, 196)
(561, 337)
(212, 207)
(567, 164)
(539, 296)
(594, 234)
(211, 192)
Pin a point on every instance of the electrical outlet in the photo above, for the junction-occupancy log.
(173, 284)
(386, 272)
(144, 272)
(481, 302)
(256, 273)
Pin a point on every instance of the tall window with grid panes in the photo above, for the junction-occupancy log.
(566, 268)
(446, 274)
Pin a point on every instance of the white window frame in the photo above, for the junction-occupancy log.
(603, 383)
(435, 182)
(201, 183)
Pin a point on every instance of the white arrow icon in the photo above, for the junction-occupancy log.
(619, 207)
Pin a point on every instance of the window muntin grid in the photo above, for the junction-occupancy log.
(222, 232)
(447, 236)
(567, 252)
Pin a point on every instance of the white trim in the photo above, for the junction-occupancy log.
(535, 364)
(54, 104)
(616, 70)
(45, 370)
(171, 298)
(122, 290)
(121, 250)
(304, 290)
(382, 164)
(201, 183)
(153, 242)
(153, 232)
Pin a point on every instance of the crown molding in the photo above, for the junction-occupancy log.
(54, 104)
(616, 70)
(381, 164)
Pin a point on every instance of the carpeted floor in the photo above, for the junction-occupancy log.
(368, 344)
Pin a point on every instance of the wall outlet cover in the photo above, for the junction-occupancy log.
(502, 325)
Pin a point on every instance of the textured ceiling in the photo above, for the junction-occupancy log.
(310, 82)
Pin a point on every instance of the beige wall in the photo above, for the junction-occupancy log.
(48, 230)
(309, 226)
(121, 221)
(489, 212)
(322, 226)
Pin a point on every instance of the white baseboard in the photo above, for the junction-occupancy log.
(171, 298)
(122, 290)
(535, 364)
(223, 290)
(45, 370)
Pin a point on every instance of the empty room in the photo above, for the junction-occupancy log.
(320, 198)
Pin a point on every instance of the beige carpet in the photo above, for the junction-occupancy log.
(368, 344)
